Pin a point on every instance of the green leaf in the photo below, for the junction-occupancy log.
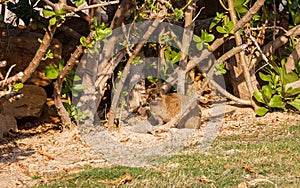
(268, 91)
(18, 86)
(197, 38)
(276, 102)
(261, 111)
(83, 41)
(152, 79)
(216, 20)
(230, 26)
(297, 18)
(240, 6)
(199, 46)
(51, 72)
(295, 103)
(297, 69)
(275, 79)
(264, 77)
(107, 32)
(256, 17)
(76, 78)
(221, 29)
(79, 2)
(176, 58)
(62, 12)
(209, 38)
(40, 40)
(292, 91)
(47, 12)
(178, 13)
(52, 21)
(167, 55)
(290, 77)
(220, 68)
(259, 97)
(61, 65)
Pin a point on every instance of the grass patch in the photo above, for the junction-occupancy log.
(270, 153)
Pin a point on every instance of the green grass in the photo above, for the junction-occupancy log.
(272, 152)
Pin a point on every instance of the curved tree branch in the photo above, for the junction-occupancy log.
(35, 62)
(293, 58)
(148, 33)
(242, 58)
(66, 120)
(272, 46)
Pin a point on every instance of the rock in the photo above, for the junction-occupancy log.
(30, 105)
(7, 123)
(19, 47)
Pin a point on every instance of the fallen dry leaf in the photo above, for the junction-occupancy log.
(243, 185)
(46, 154)
(124, 139)
(254, 182)
(248, 168)
(204, 179)
(126, 178)
(226, 166)
(76, 169)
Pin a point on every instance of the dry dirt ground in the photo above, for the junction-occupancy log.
(45, 150)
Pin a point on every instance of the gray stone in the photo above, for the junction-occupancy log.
(30, 105)
(7, 123)
(19, 47)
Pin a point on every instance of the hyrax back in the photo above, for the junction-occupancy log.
(165, 106)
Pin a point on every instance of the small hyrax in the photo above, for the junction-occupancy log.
(165, 106)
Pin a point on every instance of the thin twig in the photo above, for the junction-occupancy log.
(49, 3)
(270, 27)
(73, 9)
(274, 21)
(8, 72)
(12, 79)
(111, 114)
(260, 51)
(272, 46)
(258, 48)
(194, 19)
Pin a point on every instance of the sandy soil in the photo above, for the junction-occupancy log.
(45, 150)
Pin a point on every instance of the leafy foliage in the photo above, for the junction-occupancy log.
(220, 68)
(226, 29)
(69, 89)
(275, 95)
(101, 33)
(227, 26)
(178, 13)
(204, 39)
(54, 16)
(240, 6)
